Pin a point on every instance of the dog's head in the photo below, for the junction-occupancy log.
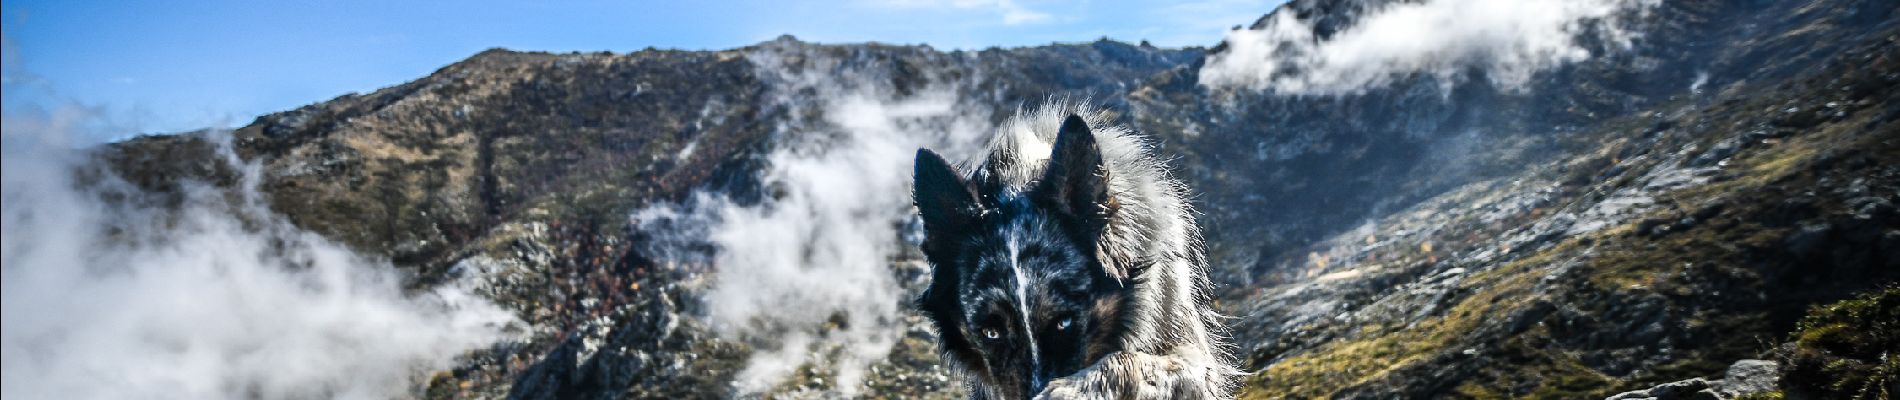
(1021, 291)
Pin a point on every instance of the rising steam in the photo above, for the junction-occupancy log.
(1510, 40)
(112, 294)
(820, 250)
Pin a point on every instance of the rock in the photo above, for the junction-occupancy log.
(1808, 237)
(1748, 377)
(1721, 151)
(1653, 226)
(1692, 388)
(1871, 207)
(1745, 377)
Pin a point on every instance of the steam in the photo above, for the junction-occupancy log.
(1510, 40)
(807, 274)
(111, 293)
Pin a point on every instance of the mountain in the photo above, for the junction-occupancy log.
(1671, 202)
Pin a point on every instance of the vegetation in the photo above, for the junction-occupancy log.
(1847, 350)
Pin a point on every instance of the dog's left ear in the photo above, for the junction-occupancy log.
(1076, 182)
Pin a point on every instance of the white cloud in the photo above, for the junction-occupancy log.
(823, 246)
(1509, 39)
(109, 294)
(1010, 12)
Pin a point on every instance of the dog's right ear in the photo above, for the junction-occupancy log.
(947, 202)
(1076, 181)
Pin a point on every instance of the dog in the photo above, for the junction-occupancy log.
(1067, 264)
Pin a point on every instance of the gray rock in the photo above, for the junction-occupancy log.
(1749, 377)
(1721, 151)
(1808, 237)
(1743, 378)
(1692, 388)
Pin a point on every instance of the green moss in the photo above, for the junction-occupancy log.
(1845, 350)
(1475, 391)
(442, 385)
(1549, 373)
(1370, 355)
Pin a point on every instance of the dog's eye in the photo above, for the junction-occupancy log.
(1065, 323)
(991, 333)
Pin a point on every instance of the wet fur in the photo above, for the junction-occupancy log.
(1130, 246)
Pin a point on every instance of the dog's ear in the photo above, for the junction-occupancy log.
(949, 208)
(947, 202)
(1076, 182)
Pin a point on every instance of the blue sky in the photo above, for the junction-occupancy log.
(168, 66)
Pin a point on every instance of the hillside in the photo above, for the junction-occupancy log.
(1669, 205)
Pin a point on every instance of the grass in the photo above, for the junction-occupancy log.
(1374, 353)
(1845, 350)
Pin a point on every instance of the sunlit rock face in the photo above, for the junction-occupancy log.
(1602, 196)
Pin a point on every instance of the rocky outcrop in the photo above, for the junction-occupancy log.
(1744, 378)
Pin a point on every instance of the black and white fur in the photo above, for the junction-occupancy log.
(1067, 264)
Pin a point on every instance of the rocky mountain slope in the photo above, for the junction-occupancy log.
(1650, 214)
